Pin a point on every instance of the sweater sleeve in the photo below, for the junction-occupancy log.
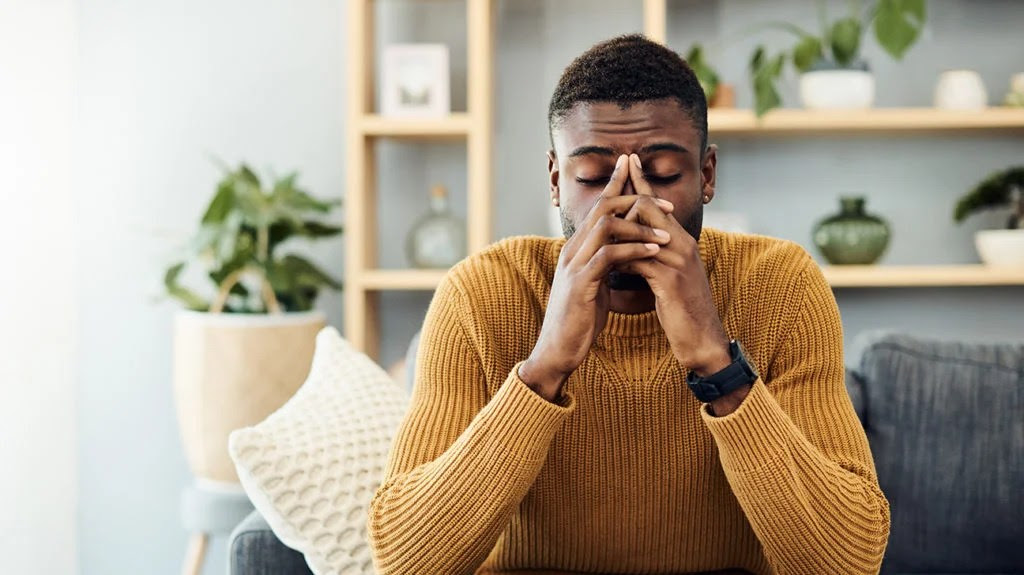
(797, 458)
(462, 461)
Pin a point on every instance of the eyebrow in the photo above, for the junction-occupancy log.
(603, 151)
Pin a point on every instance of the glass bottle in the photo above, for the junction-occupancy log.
(438, 238)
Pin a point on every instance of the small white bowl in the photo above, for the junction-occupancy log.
(1000, 247)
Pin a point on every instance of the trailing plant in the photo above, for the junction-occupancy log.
(999, 190)
(240, 242)
(897, 24)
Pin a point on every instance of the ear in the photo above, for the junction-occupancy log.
(553, 174)
(708, 172)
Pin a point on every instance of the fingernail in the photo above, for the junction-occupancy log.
(636, 160)
(661, 234)
(666, 204)
(652, 246)
(620, 162)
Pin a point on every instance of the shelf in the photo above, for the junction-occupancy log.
(796, 121)
(454, 126)
(381, 280)
(923, 276)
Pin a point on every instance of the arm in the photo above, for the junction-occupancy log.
(797, 458)
(461, 462)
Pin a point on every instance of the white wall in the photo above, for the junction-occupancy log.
(37, 292)
(164, 87)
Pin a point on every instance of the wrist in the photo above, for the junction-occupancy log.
(729, 403)
(710, 361)
(544, 380)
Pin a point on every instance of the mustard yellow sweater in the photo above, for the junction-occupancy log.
(631, 474)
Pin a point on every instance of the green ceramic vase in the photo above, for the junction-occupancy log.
(852, 237)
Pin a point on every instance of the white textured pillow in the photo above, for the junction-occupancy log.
(312, 467)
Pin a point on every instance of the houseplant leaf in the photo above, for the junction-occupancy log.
(807, 53)
(222, 204)
(190, 299)
(706, 75)
(898, 23)
(845, 39)
(764, 72)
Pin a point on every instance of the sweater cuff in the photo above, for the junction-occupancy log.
(522, 420)
(754, 435)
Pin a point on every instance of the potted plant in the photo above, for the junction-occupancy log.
(718, 95)
(244, 347)
(832, 73)
(1003, 189)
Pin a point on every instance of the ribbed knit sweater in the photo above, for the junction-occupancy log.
(630, 474)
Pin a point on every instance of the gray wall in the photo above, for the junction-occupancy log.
(165, 85)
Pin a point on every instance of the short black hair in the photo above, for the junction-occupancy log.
(625, 70)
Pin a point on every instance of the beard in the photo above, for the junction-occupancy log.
(632, 282)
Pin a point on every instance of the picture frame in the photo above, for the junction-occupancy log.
(415, 81)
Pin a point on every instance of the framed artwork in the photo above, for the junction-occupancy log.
(415, 81)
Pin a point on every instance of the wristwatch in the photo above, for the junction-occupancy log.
(737, 374)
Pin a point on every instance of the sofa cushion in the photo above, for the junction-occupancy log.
(255, 550)
(312, 467)
(946, 426)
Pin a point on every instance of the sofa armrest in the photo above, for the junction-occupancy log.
(855, 388)
(255, 550)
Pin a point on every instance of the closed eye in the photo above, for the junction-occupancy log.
(663, 180)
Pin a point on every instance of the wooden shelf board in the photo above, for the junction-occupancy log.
(923, 276)
(837, 276)
(456, 125)
(796, 121)
(413, 279)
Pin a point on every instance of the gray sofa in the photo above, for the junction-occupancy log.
(946, 426)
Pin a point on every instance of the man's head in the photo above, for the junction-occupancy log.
(630, 95)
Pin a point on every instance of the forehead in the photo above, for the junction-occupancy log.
(606, 124)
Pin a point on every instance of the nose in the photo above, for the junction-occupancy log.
(628, 189)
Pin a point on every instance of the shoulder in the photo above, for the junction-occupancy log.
(753, 258)
(520, 263)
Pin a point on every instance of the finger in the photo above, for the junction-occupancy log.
(610, 230)
(646, 267)
(664, 205)
(616, 255)
(617, 180)
(647, 210)
(636, 175)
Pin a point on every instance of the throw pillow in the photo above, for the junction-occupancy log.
(312, 466)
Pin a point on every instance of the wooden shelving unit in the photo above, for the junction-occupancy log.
(964, 275)
(364, 280)
(876, 120)
(922, 276)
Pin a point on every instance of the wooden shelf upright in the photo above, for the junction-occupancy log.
(364, 280)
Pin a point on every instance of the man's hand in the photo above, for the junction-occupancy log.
(682, 293)
(578, 304)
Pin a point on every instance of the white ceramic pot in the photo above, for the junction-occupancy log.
(232, 371)
(1000, 247)
(960, 90)
(837, 89)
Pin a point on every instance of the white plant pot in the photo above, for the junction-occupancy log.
(1000, 247)
(960, 90)
(232, 371)
(837, 89)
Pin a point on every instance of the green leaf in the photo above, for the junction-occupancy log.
(190, 299)
(306, 273)
(845, 37)
(314, 229)
(223, 202)
(764, 72)
(807, 53)
(898, 24)
(994, 191)
(706, 75)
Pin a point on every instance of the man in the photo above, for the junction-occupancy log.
(593, 404)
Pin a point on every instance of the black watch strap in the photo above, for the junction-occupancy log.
(734, 376)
